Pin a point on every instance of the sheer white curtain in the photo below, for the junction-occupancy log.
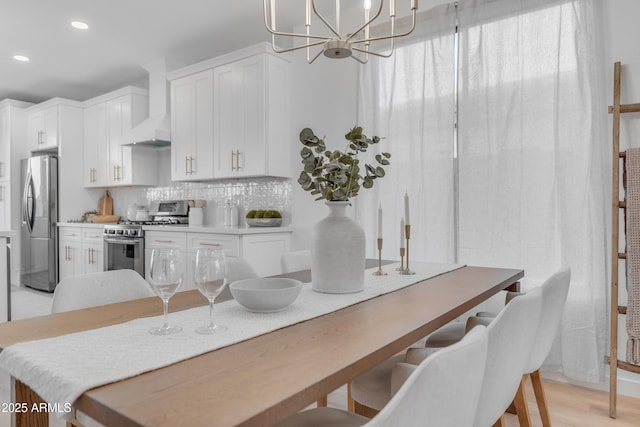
(532, 155)
(409, 100)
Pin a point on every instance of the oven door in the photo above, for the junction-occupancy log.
(124, 253)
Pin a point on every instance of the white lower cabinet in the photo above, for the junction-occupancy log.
(166, 240)
(80, 251)
(262, 251)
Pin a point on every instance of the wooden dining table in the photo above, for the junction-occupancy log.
(263, 380)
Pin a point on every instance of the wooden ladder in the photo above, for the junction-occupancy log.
(617, 157)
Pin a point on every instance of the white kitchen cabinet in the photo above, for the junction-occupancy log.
(107, 161)
(80, 251)
(96, 149)
(261, 250)
(69, 252)
(167, 240)
(92, 250)
(5, 205)
(43, 128)
(251, 117)
(192, 127)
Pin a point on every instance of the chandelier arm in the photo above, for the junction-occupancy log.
(382, 55)
(291, 49)
(362, 61)
(322, 18)
(366, 23)
(314, 58)
(281, 33)
(373, 39)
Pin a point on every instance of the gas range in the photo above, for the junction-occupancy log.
(133, 229)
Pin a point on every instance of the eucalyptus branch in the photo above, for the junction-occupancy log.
(335, 175)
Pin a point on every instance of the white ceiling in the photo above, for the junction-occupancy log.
(123, 35)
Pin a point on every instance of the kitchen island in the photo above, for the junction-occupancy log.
(5, 275)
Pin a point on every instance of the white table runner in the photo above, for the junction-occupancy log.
(61, 369)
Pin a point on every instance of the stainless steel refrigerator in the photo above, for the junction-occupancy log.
(39, 265)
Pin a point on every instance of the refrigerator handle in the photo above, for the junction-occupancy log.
(27, 203)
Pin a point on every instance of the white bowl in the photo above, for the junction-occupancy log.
(265, 295)
(264, 222)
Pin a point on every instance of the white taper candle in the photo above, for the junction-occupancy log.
(406, 209)
(402, 233)
(380, 221)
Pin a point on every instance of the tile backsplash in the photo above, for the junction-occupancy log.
(247, 193)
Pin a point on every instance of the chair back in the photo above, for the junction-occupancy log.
(511, 337)
(93, 289)
(443, 390)
(295, 261)
(237, 269)
(554, 297)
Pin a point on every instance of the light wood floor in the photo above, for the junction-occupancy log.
(569, 406)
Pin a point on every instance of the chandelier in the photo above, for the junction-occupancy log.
(338, 45)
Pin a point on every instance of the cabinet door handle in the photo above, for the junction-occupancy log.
(164, 241)
(191, 165)
(233, 160)
(238, 167)
(40, 137)
(66, 253)
(210, 244)
(1, 194)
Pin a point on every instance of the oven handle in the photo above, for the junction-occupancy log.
(124, 241)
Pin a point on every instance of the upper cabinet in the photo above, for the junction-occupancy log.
(107, 161)
(43, 129)
(50, 122)
(230, 117)
(192, 127)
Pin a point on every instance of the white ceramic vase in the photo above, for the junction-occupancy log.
(337, 253)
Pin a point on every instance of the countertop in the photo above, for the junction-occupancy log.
(218, 229)
(239, 230)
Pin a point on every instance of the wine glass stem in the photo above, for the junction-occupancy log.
(165, 306)
(211, 312)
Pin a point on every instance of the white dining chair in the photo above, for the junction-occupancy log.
(93, 289)
(511, 336)
(442, 391)
(237, 269)
(295, 261)
(554, 296)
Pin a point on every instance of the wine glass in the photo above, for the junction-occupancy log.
(164, 278)
(210, 278)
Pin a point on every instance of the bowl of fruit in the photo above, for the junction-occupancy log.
(264, 218)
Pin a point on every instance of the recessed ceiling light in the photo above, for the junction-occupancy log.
(21, 58)
(79, 25)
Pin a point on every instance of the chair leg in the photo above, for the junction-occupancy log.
(322, 402)
(350, 402)
(541, 399)
(520, 401)
(500, 422)
(364, 410)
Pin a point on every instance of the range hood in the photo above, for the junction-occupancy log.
(156, 130)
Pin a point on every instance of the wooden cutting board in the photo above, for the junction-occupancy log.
(105, 204)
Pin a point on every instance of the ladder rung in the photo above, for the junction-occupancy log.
(626, 108)
(623, 365)
(622, 255)
(622, 309)
(622, 205)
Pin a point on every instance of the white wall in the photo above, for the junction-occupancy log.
(323, 99)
